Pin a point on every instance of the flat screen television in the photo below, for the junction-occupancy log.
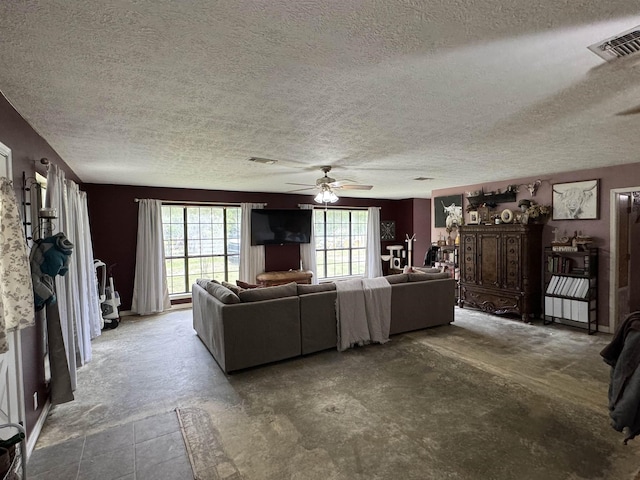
(280, 226)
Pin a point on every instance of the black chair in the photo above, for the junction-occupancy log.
(431, 256)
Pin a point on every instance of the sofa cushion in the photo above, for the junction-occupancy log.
(426, 270)
(421, 277)
(323, 287)
(397, 278)
(202, 282)
(269, 293)
(222, 293)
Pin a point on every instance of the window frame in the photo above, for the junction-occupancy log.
(185, 232)
(321, 275)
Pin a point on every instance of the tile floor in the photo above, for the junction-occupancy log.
(148, 449)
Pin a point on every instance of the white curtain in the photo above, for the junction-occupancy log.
(150, 290)
(251, 256)
(308, 250)
(77, 291)
(81, 277)
(373, 267)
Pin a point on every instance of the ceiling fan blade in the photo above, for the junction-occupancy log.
(341, 183)
(630, 111)
(302, 184)
(301, 189)
(355, 187)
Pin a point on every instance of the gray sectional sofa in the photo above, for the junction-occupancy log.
(246, 328)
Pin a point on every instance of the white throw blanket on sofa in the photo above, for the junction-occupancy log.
(377, 297)
(363, 310)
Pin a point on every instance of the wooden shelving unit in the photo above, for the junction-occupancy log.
(571, 287)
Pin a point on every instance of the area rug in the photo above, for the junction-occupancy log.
(401, 410)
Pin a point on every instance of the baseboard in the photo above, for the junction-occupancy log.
(33, 437)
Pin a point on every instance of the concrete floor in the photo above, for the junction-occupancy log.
(484, 398)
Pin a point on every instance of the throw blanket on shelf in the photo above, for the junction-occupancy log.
(363, 310)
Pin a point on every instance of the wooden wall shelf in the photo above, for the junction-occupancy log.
(492, 198)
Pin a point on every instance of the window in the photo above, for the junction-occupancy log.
(200, 242)
(341, 242)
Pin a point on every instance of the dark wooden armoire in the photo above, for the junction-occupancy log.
(500, 268)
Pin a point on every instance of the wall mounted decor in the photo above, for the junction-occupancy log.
(439, 205)
(575, 200)
(387, 230)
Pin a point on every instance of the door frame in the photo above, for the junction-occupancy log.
(613, 253)
(13, 358)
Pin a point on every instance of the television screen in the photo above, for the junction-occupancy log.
(279, 226)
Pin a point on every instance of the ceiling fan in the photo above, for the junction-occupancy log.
(327, 185)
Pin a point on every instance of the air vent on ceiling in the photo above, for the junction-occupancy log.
(622, 45)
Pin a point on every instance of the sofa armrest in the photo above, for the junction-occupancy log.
(247, 334)
(416, 305)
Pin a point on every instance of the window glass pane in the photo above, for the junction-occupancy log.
(341, 238)
(177, 215)
(202, 253)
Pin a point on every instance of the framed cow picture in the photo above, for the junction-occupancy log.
(444, 207)
(575, 200)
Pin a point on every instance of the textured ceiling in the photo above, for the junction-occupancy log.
(182, 93)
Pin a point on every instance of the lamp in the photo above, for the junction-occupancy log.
(326, 195)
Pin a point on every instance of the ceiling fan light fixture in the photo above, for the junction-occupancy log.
(326, 196)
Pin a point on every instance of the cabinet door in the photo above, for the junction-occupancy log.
(489, 259)
(468, 263)
(512, 261)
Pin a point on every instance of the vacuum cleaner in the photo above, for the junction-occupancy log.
(108, 297)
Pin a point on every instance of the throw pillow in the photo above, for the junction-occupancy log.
(323, 287)
(221, 293)
(202, 282)
(246, 285)
(269, 293)
(421, 277)
(234, 288)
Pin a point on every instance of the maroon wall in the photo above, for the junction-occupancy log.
(27, 148)
(620, 176)
(113, 216)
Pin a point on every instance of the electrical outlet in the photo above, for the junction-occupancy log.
(35, 401)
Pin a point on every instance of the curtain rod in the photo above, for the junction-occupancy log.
(335, 207)
(188, 202)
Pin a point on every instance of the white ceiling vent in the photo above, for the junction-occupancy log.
(622, 45)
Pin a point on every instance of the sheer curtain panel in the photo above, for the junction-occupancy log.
(150, 290)
(308, 250)
(77, 306)
(251, 256)
(373, 267)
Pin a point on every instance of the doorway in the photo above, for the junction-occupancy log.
(624, 281)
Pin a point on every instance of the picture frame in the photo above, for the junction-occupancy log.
(387, 230)
(484, 215)
(439, 204)
(473, 217)
(576, 200)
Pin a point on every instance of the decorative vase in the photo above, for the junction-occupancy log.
(524, 219)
